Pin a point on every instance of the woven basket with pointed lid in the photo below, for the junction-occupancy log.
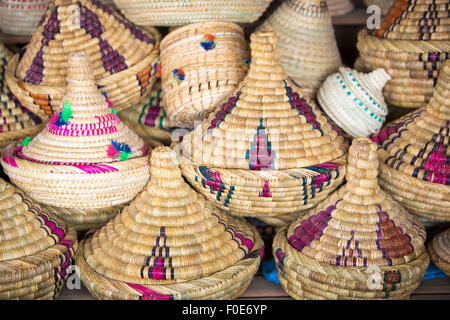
(122, 56)
(35, 248)
(85, 158)
(307, 46)
(267, 150)
(16, 120)
(148, 117)
(439, 250)
(355, 101)
(169, 243)
(202, 64)
(412, 45)
(182, 12)
(20, 18)
(339, 7)
(384, 5)
(357, 244)
(415, 156)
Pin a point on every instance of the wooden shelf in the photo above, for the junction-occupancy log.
(261, 289)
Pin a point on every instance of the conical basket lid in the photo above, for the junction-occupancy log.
(306, 41)
(267, 124)
(419, 147)
(24, 228)
(355, 100)
(359, 225)
(87, 130)
(417, 20)
(113, 44)
(169, 233)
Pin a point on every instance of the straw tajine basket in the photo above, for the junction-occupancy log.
(307, 46)
(415, 157)
(267, 151)
(122, 56)
(339, 7)
(412, 46)
(20, 18)
(355, 101)
(16, 120)
(384, 5)
(202, 64)
(357, 244)
(85, 158)
(148, 117)
(439, 250)
(36, 249)
(182, 12)
(170, 243)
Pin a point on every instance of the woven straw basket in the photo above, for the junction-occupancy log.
(439, 250)
(412, 46)
(307, 46)
(20, 18)
(17, 121)
(414, 156)
(267, 151)
(357, 244)
(384, 5)
(35, 248)
(123, 57)
(169, 243)
(85, 158)
(148, 118)
(202, 64)
(355, 101)
(182, 12)
(339, 7)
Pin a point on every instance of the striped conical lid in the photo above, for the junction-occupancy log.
(268, 123)
(417, 20)
(359, 225)
(306, 41)
(355, 101)
(113, 44)
(169, 233)
(24, 228)
(16, 120)
(419, 147)
(87, 130)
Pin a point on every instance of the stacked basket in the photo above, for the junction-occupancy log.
(339, 7)
(148, 118)
(202, 64)
(20, 18)
(170, 244)
(439, 250)
(35, 248)
(354, 101)
(267, 151)
(307, 46)
(182, 12)
(122, 56)
(415, 166)
(85, 160)
(16, 120)
(357, 244)
(412, 45)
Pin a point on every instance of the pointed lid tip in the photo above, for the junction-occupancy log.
(164, 157)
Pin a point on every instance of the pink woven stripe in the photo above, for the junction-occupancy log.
(149, 294)
(8, 158)
(96, 168)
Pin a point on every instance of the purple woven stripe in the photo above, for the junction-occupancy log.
(134, 31)
(35, 73)
(113, 62)
(152, 114)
